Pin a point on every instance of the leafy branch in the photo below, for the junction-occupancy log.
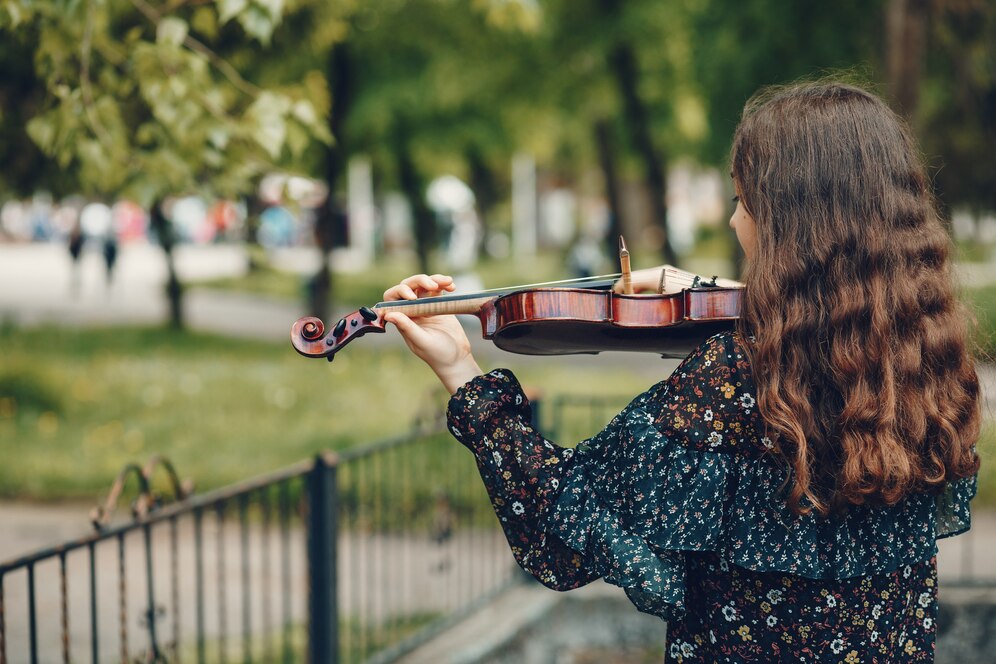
(222, 65)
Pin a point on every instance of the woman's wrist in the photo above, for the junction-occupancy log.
(455, 376)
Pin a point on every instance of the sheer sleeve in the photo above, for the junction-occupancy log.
(522, 471)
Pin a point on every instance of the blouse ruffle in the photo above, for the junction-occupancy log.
(634, 499)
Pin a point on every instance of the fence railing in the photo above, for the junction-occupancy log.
(343, 558)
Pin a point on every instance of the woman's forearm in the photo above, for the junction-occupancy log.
(455, 376)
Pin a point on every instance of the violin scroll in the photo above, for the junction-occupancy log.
(312, 329)
(309, 339)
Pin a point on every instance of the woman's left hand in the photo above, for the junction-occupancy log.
(439, 341)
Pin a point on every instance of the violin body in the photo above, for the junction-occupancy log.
(555, 321)
(568, 321)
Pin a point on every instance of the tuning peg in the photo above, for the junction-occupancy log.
(339, 327)
(368, 314)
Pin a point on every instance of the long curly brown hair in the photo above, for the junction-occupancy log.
(860, 346)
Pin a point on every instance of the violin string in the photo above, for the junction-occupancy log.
(579, 280)
(673, 276)
(483, 293)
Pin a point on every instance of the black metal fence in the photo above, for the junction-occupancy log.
(343, 558)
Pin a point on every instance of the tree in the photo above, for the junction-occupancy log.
(26, 168)
(956, 116)
(145, 102)
(935, 61)
(622, 68)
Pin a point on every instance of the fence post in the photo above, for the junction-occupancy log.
(323, 503)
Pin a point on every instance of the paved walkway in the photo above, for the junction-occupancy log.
(36, 279)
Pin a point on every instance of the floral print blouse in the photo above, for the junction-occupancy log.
(679, 501)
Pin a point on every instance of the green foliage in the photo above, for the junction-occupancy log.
(986, 496)
(957, 118)
(982, 302)
(740, 47)
(22, 390)
(25, 167)
(142, 101)
(147, 98)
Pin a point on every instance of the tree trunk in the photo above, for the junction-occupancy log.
(254, 253)
(607, 162)
(482, 182)
(905, 40)
(414, 190)
(623, 65)
(320, 285)
(622, 61)
(174, 289)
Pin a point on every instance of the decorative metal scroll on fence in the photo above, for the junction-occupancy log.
(342, 558)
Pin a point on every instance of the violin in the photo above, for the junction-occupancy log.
(557, 318)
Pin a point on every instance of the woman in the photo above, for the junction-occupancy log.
(779, 496)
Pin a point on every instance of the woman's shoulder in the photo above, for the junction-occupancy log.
(709, 402)
(727, 349)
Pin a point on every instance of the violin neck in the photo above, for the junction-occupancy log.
(471, 303)
(437, 306)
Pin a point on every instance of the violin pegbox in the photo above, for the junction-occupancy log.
(309, 339)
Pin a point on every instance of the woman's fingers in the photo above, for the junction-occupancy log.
(427, 284)
(405, 324)
(400, 292)
(409, 329)
(419, 284)
(444, 281)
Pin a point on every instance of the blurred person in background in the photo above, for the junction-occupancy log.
(779, 496)
(76, 239)
(110, 250)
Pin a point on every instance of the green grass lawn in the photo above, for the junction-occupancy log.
(75, 405)
(987, 473)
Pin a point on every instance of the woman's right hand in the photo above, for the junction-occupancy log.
(439, 341)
